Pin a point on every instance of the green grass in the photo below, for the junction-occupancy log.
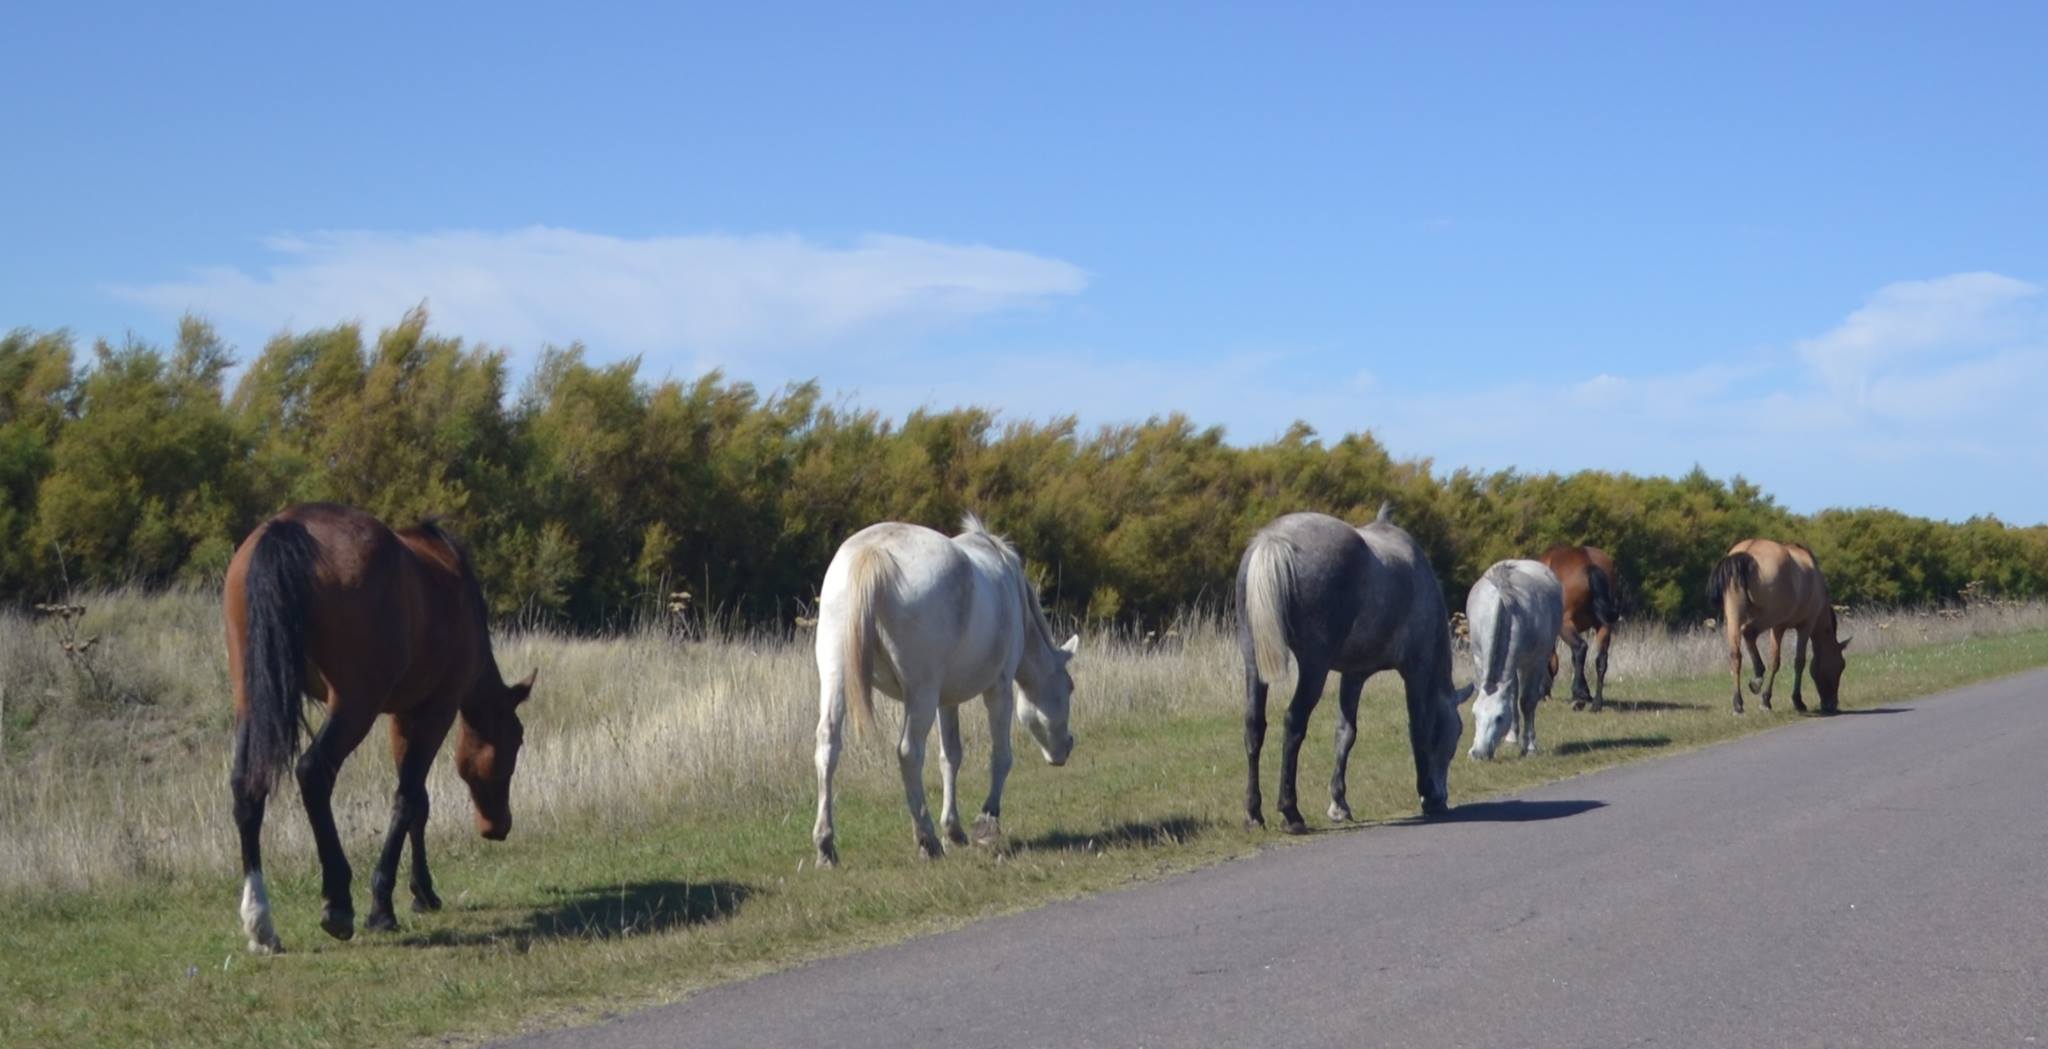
(637, 904)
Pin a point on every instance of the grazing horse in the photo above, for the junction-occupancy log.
(933, 622)
(1314, 591)
(1589, 581)
(1763, 585)
(1514, 610)
(324, 602)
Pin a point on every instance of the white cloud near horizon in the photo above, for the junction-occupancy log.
(701, 298)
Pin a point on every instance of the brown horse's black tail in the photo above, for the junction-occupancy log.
(1606, 610)
(1734, 570)
(279, 586)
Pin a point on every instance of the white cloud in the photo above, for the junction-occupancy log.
(1922, 324)
(705, 297)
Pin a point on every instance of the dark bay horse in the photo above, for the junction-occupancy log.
(1590, 583)
(1315, 591)
(1764, 585)
(324, 602)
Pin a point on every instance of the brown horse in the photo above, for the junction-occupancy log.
(1764, 585)
(1589, 607)
(326, 603)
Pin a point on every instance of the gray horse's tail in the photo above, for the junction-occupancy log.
(1268, 590)
(1735, 570)
(1605, 609)
(870, 569)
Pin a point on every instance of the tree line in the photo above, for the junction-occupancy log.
(591, 495)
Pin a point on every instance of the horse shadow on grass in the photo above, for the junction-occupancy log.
(1594, 746)
(1146, 834)
(1644, 706)
(605, 913)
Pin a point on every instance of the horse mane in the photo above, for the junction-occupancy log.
(431, 528)
(971, 526)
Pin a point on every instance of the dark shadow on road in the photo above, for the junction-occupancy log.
(632, 909)
(1134, 835)
(1510, 810)
(1590, 746)
(1866, 710)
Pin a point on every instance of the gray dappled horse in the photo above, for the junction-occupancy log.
(1327, 596)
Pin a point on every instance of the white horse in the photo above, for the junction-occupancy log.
(934, 622)
(1515, 611)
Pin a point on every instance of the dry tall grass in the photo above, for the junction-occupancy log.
(129, 782)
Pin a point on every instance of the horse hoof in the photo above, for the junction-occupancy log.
(928, 848)
(1756, 687)
(1340, 812)
(987, 831)
(380, 921)
(339, 924)
(1296, 826)
(1578, 704)
(955, 836)
(266, 947)
(1434, 807)
(1255, 822)
(423, 902)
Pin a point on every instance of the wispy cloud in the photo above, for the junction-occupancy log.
(697, 298)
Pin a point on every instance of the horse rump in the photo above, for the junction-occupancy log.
(1733, 570)
(279, 586)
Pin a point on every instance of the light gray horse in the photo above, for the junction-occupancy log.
(1317, 592)
(1515, 611)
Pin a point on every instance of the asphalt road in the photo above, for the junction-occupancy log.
(1877, 879)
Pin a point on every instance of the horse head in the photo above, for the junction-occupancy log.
(488, 750)
(1045, 703)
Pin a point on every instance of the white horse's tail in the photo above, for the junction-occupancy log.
(1268, 588)
(870, 568)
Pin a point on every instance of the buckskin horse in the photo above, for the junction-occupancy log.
(325, 603)
(1589, 581)
(1764, 585)
(1323, 595)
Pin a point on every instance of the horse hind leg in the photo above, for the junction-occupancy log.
(1254, 741)
(318, 766)
(250, 798)
(1735, 663)
(831, 739)
(918, 714)
(1771, 679)
(949, 774)
(1349, 686)
(1581, 695)
(1756, 661)
(1602, 639)
(1308, 691)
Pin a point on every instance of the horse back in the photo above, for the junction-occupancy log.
(1787, 588)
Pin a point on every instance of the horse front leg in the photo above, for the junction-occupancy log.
(949, 774)
(1433, 731)
(831, 737)
(920, 710)
(250, 797)
(1001, 702)
(1798, 668)
(337, 739)
(1349, 686)
(415, 740)
(1771, 680)
(1308, 691)
(1254, 741)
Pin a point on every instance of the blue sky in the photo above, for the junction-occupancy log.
(1807, 247)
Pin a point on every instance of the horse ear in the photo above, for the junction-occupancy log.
(1072, 646)
(1844, 646)
(523, 691)
(1466, 693)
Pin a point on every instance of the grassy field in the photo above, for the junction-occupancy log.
(663, 811)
